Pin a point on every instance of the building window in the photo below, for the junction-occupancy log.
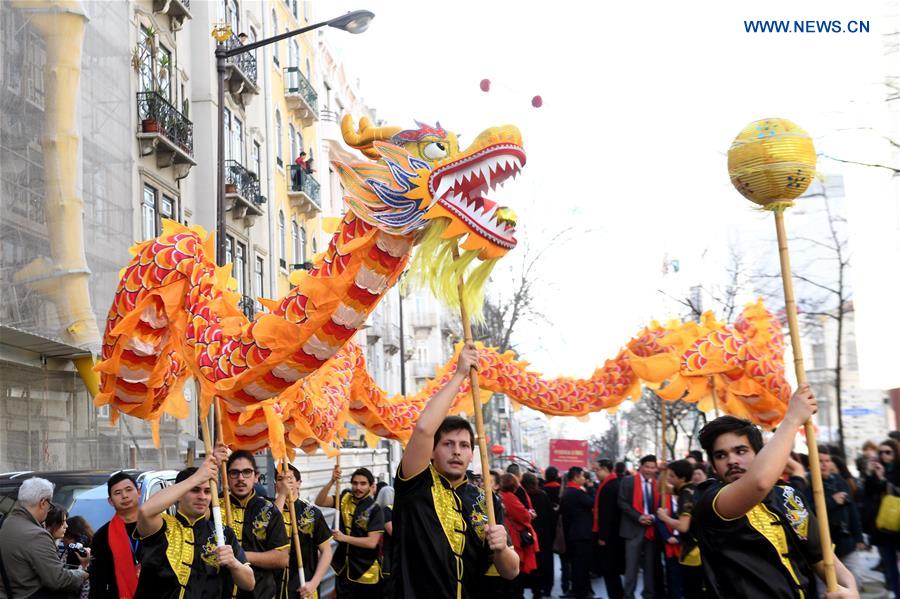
(314, 248)
(819, 359)
(302, 244)
(295, 242)
(237, 144)
(282, 242)
(275, 55)
(308, 72)
(300, 143)
(279, 150)
(240, 266)
(156, 206)
(293, 138)
(226, 123)
(229, 249)
(233, 16)
(164, 73)
(254, 159)
(305, 10)
(148, 213)
(259, 281)
(295, 54)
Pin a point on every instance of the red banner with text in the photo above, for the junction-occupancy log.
(565, 453)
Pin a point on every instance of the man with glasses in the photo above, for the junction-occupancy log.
(28, 559)
(258, 525)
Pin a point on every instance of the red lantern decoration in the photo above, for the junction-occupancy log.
(537, 101)
(485, 85)
(497, 449)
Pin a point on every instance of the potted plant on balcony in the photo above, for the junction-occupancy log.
(158, 73)
(230, 186)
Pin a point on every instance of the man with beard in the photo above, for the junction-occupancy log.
(314, 535)
(116, 553)
(258, 525)
(437, 553)
(180, 558)
(757, 537)
(361, 526)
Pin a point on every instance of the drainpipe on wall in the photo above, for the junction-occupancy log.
(64, 278)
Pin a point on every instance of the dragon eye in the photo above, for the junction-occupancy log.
(435, 151)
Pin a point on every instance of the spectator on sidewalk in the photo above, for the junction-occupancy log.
(28, 552)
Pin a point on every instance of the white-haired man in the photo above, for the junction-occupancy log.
(27, 551)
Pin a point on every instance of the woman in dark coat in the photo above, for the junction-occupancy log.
(541, 580)
(882, 479)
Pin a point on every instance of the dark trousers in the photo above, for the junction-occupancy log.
(542, 578)
(673, 579)
(611, 567)
(580, 553)
(565, 571)
(692, 580)
(347, 589)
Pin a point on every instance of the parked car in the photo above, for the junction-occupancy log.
(82, 492)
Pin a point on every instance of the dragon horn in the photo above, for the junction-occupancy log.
(363, 138)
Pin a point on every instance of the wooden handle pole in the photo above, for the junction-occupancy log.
(815, 473)
(213, 485)
(225, 490)
(295, 526)
(337, 494)
(476, 404)
(663, 487)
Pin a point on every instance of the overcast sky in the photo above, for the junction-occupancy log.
(640, 104)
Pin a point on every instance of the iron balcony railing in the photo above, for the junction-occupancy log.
(248, 306)
(297, 83)
(301, 181)
(245, 61)
(245, 182)
(153, 108)
(329, 115)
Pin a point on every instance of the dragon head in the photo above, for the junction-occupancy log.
(424, 183)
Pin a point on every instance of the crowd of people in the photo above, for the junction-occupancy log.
(736, 520)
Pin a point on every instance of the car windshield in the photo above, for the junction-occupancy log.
(93, 506)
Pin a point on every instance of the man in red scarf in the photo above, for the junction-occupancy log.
(117, 555)
(638, 501)
(606, 528)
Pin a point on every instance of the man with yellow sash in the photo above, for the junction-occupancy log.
(180, 558)
(257, 524)
(315, 539)
(757, 535)
(361, 524)
(437, 551)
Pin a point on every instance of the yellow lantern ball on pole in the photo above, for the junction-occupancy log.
(772, 162)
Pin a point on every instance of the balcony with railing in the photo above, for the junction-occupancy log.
(165, 132)
(303, 191)
(248, 306)
(300, 95)
(179, 10)
(242, 195)
(240, 71)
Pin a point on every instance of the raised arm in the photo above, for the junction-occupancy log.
(737, 498)
(325, 498)
(150, 519)
(417, 454)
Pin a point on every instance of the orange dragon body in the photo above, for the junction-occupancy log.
(292, 376)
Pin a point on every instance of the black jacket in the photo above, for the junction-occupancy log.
(609, 516)
(577, 510)
(545, 523)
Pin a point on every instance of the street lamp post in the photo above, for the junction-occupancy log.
(354, 22)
